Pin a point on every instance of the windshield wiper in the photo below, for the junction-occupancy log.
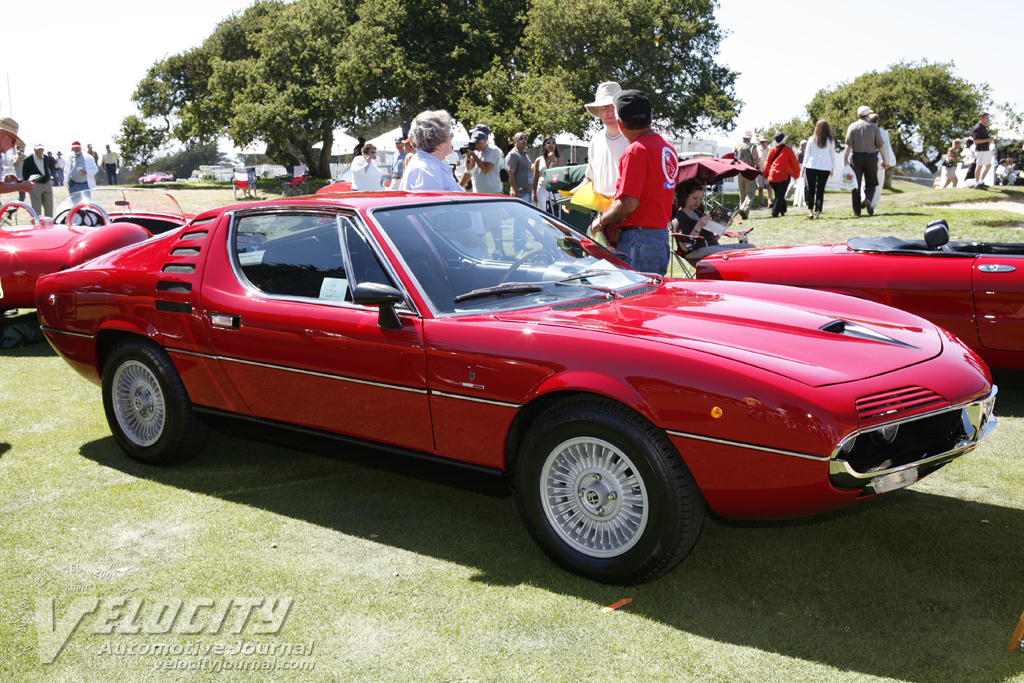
(506, 288)
(593, 272)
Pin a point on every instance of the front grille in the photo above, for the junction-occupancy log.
(915, 440)
(888, 404)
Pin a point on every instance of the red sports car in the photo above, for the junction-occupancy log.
(974, 290)
(483, 332)
(156, 177)
(83, 227)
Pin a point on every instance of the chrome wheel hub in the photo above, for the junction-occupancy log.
(593, 497)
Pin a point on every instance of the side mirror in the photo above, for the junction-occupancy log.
(385, 298)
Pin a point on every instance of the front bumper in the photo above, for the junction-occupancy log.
(898, 453)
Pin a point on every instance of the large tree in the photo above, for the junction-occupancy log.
(290, 74)
(667, 48)
(923, 105)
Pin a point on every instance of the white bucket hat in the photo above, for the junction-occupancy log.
(603, 97)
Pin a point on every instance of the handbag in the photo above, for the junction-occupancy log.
(847, 178)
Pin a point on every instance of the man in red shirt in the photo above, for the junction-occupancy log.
(642, 206)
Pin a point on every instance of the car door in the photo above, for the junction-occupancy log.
(998, 283)
(278, 304)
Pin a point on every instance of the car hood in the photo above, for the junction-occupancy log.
(816, 338)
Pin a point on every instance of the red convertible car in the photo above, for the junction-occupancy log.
(974, 290)
(617, 404)
(82, 228)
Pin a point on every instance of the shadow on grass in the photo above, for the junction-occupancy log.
(4, 447)
(913, 586)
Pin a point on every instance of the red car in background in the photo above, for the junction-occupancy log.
(156, 177)
(484, 333)
(85, 225)
(973, 289)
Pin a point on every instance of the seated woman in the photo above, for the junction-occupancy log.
(688, 223)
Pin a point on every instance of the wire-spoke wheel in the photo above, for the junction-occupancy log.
(139, 403)
(604, 493)
(593, 497)
(147, 407)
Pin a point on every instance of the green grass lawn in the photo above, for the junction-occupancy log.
(394, 575)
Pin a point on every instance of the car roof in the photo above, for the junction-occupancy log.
(368, 200)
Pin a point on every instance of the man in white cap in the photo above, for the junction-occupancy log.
(746, 151)
(41, 195)
(82, 170)
(608, 145)
(864, 141)
(8, 140)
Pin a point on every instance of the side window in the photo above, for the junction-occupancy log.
(293, 255)
(310, 256)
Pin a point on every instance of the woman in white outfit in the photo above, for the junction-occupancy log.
(366, 176)
(819, 160)
(548, 158)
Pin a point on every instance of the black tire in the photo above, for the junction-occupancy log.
(147, 407)
(635, 521)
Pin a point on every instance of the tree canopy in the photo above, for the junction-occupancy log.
(289, 75)
(923, 105)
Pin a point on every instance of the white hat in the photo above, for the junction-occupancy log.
(863, 111)
(39, 145)
(747, 134)
(603, 97)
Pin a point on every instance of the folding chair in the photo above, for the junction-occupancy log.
(244, 182)
(294, 182)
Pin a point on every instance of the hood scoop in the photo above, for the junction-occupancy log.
(849, 329)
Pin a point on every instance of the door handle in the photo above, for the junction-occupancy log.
(225, 321)
(995, 268)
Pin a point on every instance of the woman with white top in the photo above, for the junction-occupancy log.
(819, 160)
(431, 136)
(548, 158)
(366, 177)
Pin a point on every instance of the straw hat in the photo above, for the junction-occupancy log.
(11, 126)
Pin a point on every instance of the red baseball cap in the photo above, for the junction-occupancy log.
(76, 143)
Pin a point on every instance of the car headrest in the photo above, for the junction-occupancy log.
(453, 220)
(936, 234)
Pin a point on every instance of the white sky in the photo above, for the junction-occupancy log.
(79, 87)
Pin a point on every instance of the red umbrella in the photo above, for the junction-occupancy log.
(709, 170)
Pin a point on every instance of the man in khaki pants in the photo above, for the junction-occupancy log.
(746, 152)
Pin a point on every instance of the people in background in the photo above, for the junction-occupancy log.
(366, 176)
(8, 140)
(780, 167)
(951, 162)
(548, 158)
(819, 162)
(430, 136)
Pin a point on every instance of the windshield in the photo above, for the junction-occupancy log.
(475, 256)
(123, 202)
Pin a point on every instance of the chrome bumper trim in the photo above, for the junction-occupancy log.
(977, 415)
(752, 447)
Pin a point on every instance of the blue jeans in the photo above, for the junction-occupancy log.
(645, 249)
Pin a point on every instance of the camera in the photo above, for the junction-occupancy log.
(466, 147)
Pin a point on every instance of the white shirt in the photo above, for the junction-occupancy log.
(365, 175)
(603, 161)
(427, 173)
(820, 158)
(489, 182)
(890, 156)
